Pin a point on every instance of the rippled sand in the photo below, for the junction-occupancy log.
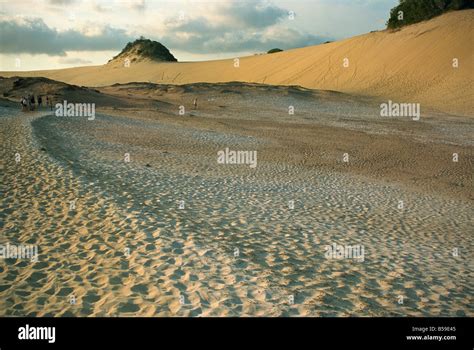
(236, 248)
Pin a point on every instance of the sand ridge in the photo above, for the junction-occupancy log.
(413, 64)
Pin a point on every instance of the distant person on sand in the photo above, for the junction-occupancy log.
(24, 104)
(40, 101)
(195, 103)
(32, 102)
(49, 102)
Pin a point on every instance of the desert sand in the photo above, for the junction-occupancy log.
(173, 232)
(235, 247)
(413, 64)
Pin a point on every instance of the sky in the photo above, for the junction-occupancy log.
(52, 34)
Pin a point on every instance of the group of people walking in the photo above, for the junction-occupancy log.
(28, 102)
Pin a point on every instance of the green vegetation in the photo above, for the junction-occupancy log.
(149, 49)
(274, 50)
(414, 11)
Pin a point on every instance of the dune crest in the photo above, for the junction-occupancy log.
(413, 64)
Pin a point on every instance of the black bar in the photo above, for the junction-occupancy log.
(243, 332)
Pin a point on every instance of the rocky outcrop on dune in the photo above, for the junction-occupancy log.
(142, 50)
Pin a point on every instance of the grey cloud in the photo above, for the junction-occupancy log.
(196, 25)
(235, 41)
(253, 13)
(245, 14)
(247, 29)
(35, 37)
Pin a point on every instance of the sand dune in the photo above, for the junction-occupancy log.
(128, 248)
(413, 64)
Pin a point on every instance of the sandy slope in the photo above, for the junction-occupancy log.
(413, 64)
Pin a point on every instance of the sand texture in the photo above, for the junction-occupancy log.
(236, 248)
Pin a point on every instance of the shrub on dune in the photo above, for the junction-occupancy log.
(274, 50)
(414, 11)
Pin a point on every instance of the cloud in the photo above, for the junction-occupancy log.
(33, 36)
(102, 8)
(252, 13)
(210, 28)
(61, 2)
(207, 40)
(138, 5)
(235, 27)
